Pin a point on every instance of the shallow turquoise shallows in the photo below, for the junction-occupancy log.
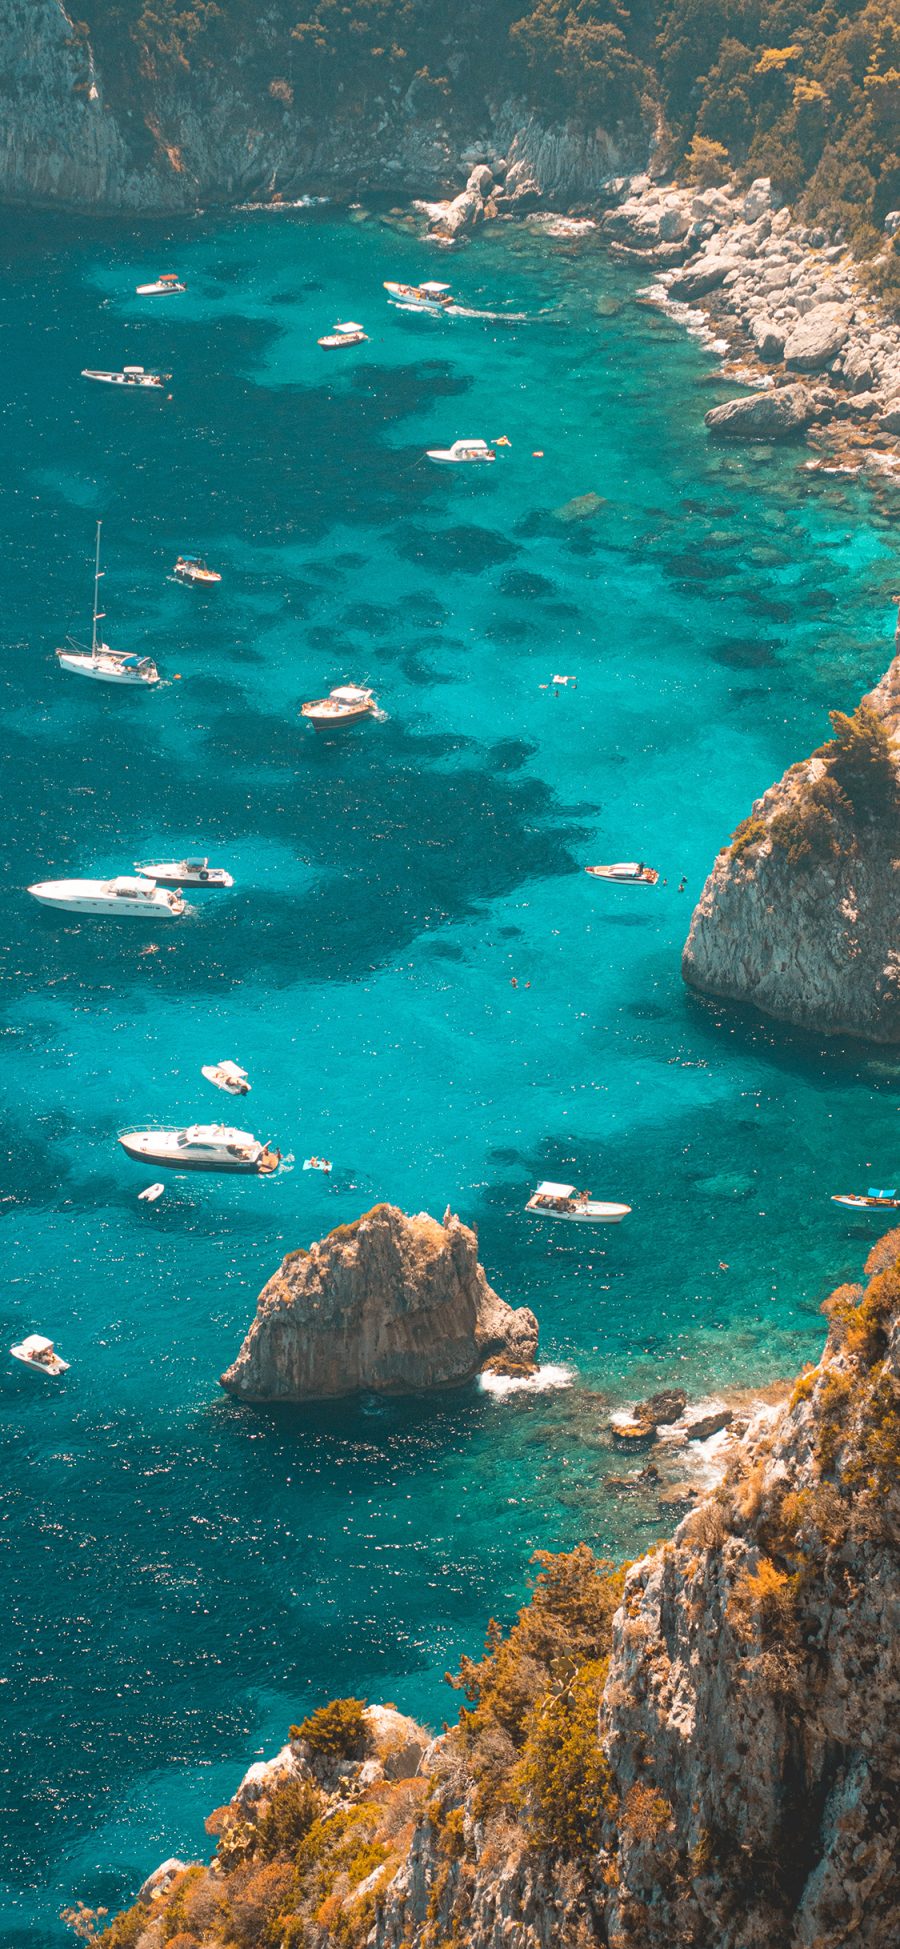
(413, 966)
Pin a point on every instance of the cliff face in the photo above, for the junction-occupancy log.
(801, 914)
(388, 1305)
(85, 124)
(704, 1752)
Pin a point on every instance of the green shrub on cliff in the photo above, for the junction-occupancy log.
(861, 758)
(337, 1730)
(809, 828)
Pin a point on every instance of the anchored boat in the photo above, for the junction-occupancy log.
(38, 1352)
(348, 704)
(873, 1200)
(348, 334)
(461, 452)
(161, 286)
(100, 662)
(193, 570)
(626, 873)
(133, 377)
(202, 1147)
(578, 1207)
(142, 899)
(184, 872)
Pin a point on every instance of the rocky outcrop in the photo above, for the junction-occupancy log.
(777, 415)
(801, 913)
(388, 1305)
(817, 338)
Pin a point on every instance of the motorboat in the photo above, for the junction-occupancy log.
(161, 287)
(150, 1193)
(227, 1076)
(100, 662)
(873, 1200)
(201, 1147)
(133, 377)
(347, 334)
(460, 452)
(141, 898)
(193, 570)
(578, 1207)
(421, 297)
(184, 872)
(38, 1352)
(626, 873)
(345, 705)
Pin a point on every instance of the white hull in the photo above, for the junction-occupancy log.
(88, 898)
(56, 1366)
(103, 672)
(169, 874)
(593, 1214)
(162, 1147)
(158, 290)
(149, 383)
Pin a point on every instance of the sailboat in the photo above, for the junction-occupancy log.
(108, 666)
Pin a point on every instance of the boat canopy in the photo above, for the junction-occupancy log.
(350, 694)
(471, 446)
(35, 1343)
(215, 1133)
(195, 865)
(349, 325)
(435, 289)
(873, 1193)
(555, 1191)
(134, 369)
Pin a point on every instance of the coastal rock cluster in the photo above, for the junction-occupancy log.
(790, 296)
(702, 1749)
(387, 1305)
(801, 913)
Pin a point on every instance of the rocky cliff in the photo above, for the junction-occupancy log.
(801, 913)
(388, 1305)
(702, 1751)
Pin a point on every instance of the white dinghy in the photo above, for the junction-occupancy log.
(38, 1352)
(202, 1147)
(184, 872)
(577, 1207)
(150, 1193)
(100, 662)
(461, 452)
(140, 899)
(227, 1076)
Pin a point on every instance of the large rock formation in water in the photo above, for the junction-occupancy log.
(703, 1750)
(388, 1305)
(801, 913)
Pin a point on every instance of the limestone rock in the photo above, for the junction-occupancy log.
(158, 1884)
(399, 1742)
(703, 274)
(264, 1776)
(889, 421)
(778, 414)
(813, 342)
(388, 1305)
(768, 339)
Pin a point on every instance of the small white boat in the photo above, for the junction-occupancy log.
(161, 287)
(100, 662)
(626, 873)
(873, 1200)
(142, 899)
(347, 334)
(151, 1193)
(420, 297)
(345, 705)
(40, 1353)
(577, 1207)
(184, 872)
(133, 377)
(193, 570)
(201, 1147)
(227, 1076)
(461, 452)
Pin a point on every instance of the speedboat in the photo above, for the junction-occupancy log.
(578, 1207)
(626, 873)
(100, 662)
(185, 872)
(133, 377)
(193, 570)
(421, 297)
(348, 334)
(461, 450)
(227, 1076)
(873, 1200)
(202, 1147)
(162, 286)
(40, 1353)
(120, 896)
(345, 705)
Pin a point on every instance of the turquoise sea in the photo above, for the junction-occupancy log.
(184, 1577)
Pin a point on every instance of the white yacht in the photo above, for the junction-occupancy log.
(460, 452)
(626, 873)
(102, 663)
(578, 1207)
(161, 286)
(142, 898)
(133, 377)
(227, 1076)
(184, 872)
(38, 1352)
(201, 1147)
(345, 705)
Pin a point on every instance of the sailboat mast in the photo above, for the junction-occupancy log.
(96, 595)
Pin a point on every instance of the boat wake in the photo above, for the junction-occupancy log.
(539, 1383)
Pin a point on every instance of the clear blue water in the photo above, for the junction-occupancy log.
(185, 1577)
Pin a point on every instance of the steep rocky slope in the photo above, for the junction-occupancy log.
(387, 1305)
(701, 1751)
(801, 913)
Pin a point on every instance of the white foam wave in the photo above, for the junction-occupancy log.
(539, 1383)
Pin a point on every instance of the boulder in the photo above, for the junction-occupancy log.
(889, 421)
(458, 217)
(817, 338)
(635, 1427)
(779, 414)
(388, 1305)
(892, 223)
(758, 201)
(481, 180)
(703, 1421)
(399, 1742)
(674, 224)
(262, 1778)
(768, 339)
(857, 369)
(161, 1880)
(702, 275)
